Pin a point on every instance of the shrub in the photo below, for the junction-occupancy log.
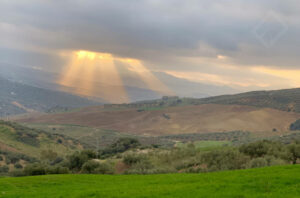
(131, 159)
(258, 162)
(4, 169)
(57, 170)
(262, 148)
(12, 158)
(34, 169)
(95, 167)
(295, 126)
(104, 168)
(18, 165)
(273, 161)
(120, 146)
(142, 166)
(17, 173)
(79, 158)
(294, 152)
(57, 160)
(224, 160)
(89, 166)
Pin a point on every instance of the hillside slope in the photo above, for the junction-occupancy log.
(19, 143)
(280, 181)
(17, 98)
(176, 120)
(285, 100)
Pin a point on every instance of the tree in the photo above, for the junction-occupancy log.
(89, 166)
(262, 148)
(294, 150)
(120, 146)
(77, 160)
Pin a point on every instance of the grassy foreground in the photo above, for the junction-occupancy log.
(280, 181)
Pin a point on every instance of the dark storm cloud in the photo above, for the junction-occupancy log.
(157, 31)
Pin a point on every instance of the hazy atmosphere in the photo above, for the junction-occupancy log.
(244, 45)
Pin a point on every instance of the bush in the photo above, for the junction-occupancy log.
(34, 169)
(89, 166)
(1, 158)
(12, 158)
(295, 126)
(131, 159)
(57, 160)
(142, 166)
(95, 167)
(258, 162)
(4, 169)
(17, 173)
(294, 152)
(273, 161)
(262, 148)
(224, 160)
(18, 165)
(57, 170)
(104, 168)
(77, 160)
(120, 146)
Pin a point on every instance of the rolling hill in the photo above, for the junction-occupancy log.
(19, 144)
(176, 120)
(280, 181)
(285, 100)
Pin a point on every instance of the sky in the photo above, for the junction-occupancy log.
(238, 43)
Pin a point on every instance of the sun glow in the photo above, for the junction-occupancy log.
(95, 74)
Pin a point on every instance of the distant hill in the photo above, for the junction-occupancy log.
(18, 98)
(134, 85)
(285, 100)
(19, 144)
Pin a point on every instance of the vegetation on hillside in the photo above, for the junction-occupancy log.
(285, 100)
(295, 126)
(127, 156)
(20, 145)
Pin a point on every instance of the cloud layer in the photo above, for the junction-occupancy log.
(231, 40)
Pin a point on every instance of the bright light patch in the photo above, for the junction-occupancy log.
(290, 75)
(95, 74)
(151, 81)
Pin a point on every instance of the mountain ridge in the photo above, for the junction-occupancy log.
(18, 98)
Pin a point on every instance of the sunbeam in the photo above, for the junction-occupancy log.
(95, 74)
(151, 81)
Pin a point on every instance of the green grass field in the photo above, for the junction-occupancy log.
(280, 181)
